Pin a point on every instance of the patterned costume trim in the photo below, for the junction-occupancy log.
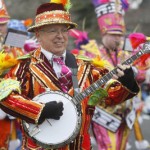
(83, 75)
(7, 86)
(25, 107)
(41, 69)
(116, 89)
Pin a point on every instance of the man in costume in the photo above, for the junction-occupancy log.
(112, 27)
(42, 70)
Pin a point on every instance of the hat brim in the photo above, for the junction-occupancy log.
(71, 25)
(4, 20)
(115, 32)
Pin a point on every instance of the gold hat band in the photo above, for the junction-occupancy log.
(52, 16)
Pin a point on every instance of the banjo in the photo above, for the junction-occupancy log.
(58, 133)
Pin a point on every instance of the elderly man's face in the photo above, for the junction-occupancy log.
(53, 38)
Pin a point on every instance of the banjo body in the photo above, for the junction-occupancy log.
(56, 133)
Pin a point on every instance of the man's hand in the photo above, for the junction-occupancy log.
(125, 75)
(53, 110)
(122, 70)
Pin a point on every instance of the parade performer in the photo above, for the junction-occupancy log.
(41, 73)
(142, 64)
(140, 141)
(7, 123)
(9, 126)
(112, 27)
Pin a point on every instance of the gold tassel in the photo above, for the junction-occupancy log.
(13, 132)
(137, 130)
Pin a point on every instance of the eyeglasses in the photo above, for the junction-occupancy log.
(55, 32)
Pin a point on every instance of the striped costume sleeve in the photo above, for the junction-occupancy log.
(17, 102)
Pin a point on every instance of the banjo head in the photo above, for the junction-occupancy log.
(56, 133)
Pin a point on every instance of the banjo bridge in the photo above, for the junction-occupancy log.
(35, 131)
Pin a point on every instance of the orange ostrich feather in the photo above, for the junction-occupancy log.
(28, 22)
(6, 61)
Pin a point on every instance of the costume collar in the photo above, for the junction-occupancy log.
(50, 55)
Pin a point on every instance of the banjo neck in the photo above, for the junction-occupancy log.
(100, 82)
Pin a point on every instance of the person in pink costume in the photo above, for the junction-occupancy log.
(112, 26)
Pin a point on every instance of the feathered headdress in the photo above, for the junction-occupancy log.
(125, 4)
(80, 36)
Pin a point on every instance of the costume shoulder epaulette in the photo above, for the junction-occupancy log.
(25, 56)
(84, 58)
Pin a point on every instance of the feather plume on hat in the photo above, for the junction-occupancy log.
(66, 3)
